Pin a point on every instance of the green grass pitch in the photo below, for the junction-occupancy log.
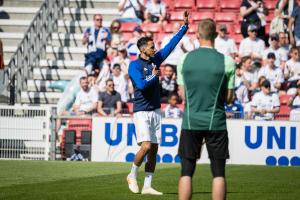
(107, 181)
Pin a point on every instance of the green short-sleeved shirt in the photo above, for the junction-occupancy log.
(206, 75)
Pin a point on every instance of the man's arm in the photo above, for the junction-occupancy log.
(162, 54)
(118, 108)
(180, 80)
(230, 75)
(100, 109)
(137, 76)
(290, 25)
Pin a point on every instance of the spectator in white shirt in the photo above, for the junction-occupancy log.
(294, 103)
(252, 45)
(241, 91)
(272, 73)
(182, 47)
(249, 73)
(86, 99)
(168, 84)
(171, 110)
(155, 12)
(284, 46)
(265, 104)
(274, 48)
(292, 67)
(131, 10)
(121, 59)
(120, 82)
(224, 44)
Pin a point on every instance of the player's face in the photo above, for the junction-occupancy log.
(150, 49)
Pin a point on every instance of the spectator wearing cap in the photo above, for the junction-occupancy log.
(97, 39)
(132, 49)
(168, 84)
(252, 45)
(86, 99)
(131, 10)
(294, 103)
(109, 102)
(292, 67)
(272, 73)
(274, 48)
(294, 21)
(155, 12)
(121, 59)
(185, 45)
(265, 103)
(224, 44)
(120, 82)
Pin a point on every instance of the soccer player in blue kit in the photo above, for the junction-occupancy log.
(144, 74)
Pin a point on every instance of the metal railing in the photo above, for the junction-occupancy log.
(32, 48)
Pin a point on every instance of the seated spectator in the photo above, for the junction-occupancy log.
(265, 104)
(120, 82)
(168, 84)
(86, 99)
(109, 101)
(274, 48)
(249, 74)
(234, 110)
(155, 11)
(284, 46)
(77, 156)
(185, 45)
(224, 44)
(132, 49)
(97, 39)
(252, 45)
(272, 73)
(121, 59)
(294, 103)
(292, 68)
(131, 10)
(171, 110)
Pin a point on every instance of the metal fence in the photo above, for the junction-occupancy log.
(24, 133)
(31, 49)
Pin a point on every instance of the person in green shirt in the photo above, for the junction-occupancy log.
(206, 82)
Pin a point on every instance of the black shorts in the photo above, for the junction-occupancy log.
(191, 142)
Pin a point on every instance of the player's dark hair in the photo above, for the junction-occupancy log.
(207, 29)
(142, 42)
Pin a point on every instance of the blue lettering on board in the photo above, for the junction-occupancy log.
(168, 131)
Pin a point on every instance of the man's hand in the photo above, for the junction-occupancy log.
(156, 71)
(186, 18)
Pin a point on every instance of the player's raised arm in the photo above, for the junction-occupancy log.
(162, 54)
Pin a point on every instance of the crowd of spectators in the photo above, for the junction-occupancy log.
(268, 66)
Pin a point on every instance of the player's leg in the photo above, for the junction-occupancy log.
(189, 151)
(217, 147)
(155, 124)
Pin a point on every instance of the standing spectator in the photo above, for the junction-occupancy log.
(155, 11)
(241, 91)
(265, 104)
(292, 67)
(274, 48)
(295, 21)
(98, 40)
(253, 13)
(249, 74)
(294, 103)
(252, 45)
(86, 99)
(116, 38)
(272, 73)
(168, 84)
(120, 82)
(131, 11)
(284, 46)
(109, 101)
(184, 46)
(172, 110)
(224, 44)
(284, 10)
(103, 75)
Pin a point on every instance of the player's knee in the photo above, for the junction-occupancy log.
(218, 167)
(188, 167)
(145, 147)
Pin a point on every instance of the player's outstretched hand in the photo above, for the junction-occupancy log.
(186, 17)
